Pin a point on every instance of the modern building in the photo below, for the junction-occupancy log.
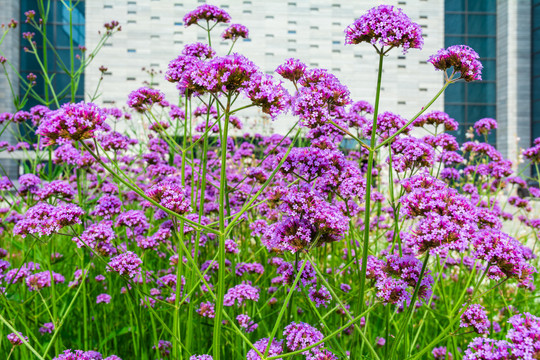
(503, 32)
(153, 34)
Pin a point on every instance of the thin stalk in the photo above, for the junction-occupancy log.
(368, 187)
(222, 235)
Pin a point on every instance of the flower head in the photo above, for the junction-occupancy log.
(462, 58)
(126, 264)
(385, 25)
(198, 50)
(72, 122)
(292, 69)
(15, 339)
(475, 316)
(143, 98)
(234, 32)
(485, 125)
(208, 13)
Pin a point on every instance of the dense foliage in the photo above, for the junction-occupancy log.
(150, 232)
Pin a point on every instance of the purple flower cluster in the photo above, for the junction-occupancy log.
(317, 98)
(462, 58)
(485, 125)
(245, 322)
(301, 335)
(240, 293)
(15, 339)
(72, 122)
(309, 217)
(207, 13)
(128, 264)
(45, 219)
(292, 69)
(385, 25)
(448, 218)
(276, 348)
(504, 254)
(437, 118)
(38, 281)
(397, 277)
(144, 98)
(235, 32)
(198, 50)
(170, 196)
(475, 316)
(411, 153)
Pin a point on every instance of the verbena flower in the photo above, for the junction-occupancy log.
(235, 32)
(103, 298)
(268, 93)
(38, 281)
(275, 349)
(199, 50)
(504, 254)
(292, 69)
(321, 296)
(385, 25)
(442, 353)
(525, 336)
(411, 153)
(47, 328)
(485, 125)
(223, 73)
(487, 349)
(144, 98)
(462, 59)
(44, 219)
(16, 340)
(437, 118)
(475, 316)
(72, 122)
(240, 293)
(245, 322)
(301, 335)
(207, 13)
(206, 309)
(128, 264)
(170, 196)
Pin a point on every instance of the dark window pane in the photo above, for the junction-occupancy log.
(485, 47)
(455, 5)
(454, 24)
(482, 24)
(455, 93)
(481, 92)
(482, 5)
(536, 40)
(477, 112)
(536, 16)
(535, 93)
(536, 88)
(536, 112)
(454, 40)
(535, 130)
(455, 111)
(489, 70)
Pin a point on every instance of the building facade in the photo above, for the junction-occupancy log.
(506, 34)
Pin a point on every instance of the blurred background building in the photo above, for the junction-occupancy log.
(506, 34)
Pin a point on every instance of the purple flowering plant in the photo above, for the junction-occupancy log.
(189, 241)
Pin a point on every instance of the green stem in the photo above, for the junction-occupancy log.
(365, 246)
(222, 235)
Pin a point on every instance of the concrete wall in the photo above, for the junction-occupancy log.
(513, 77)
(9, 9)
(153, 34)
